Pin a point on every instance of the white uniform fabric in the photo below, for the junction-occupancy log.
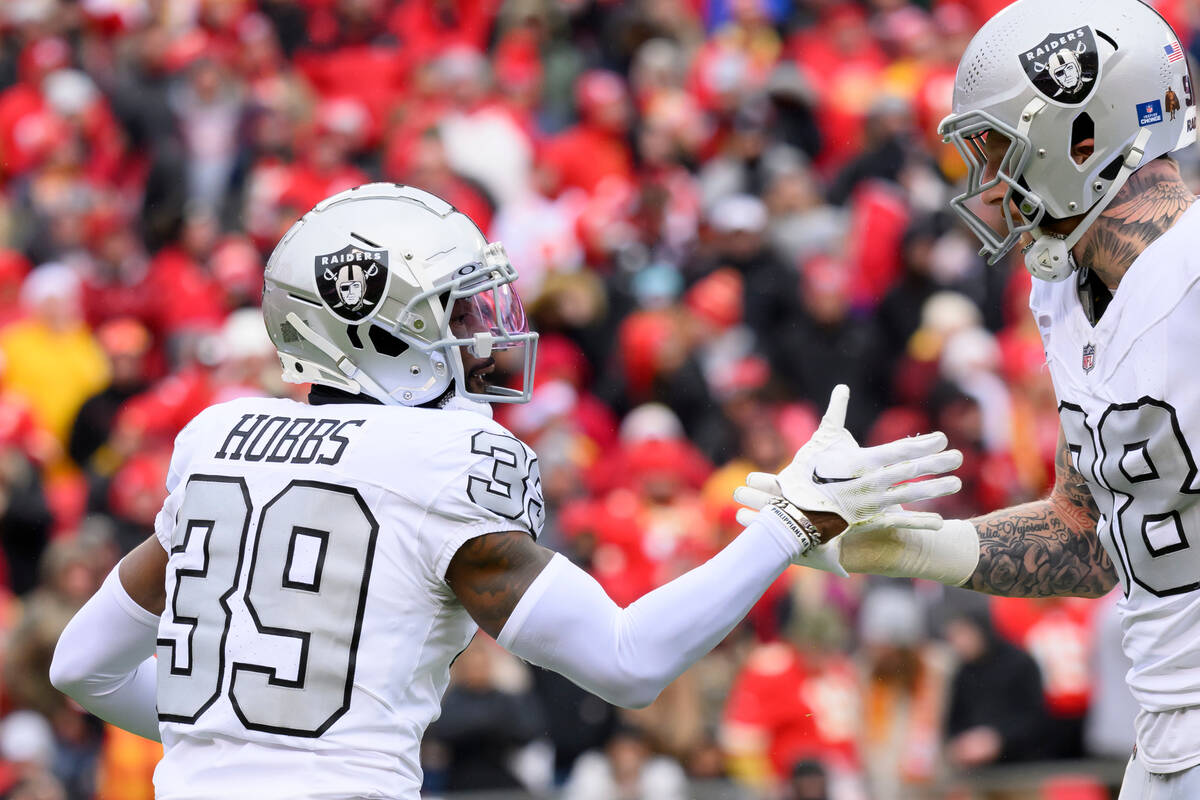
(309, 630)
(102, 659)
(1129, 402)
(1140, 784)
(565, 622)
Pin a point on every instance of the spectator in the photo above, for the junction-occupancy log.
(481, 725)
(576, 721)
(70, 574)
(210, 108)
(824, 346)
(904, 696)
(25, 518)
(126, 343)
(51, 358)
(626, 770)
(27, 744)
(808, 781)
(788, 705)
(997, 712)
(1057, 632)
(771, 296)
(594, 151)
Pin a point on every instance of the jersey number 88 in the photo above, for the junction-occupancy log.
(1141, 460)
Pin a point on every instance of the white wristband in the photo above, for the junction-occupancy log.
(948, 555)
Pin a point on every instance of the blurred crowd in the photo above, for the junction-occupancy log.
(719, 209)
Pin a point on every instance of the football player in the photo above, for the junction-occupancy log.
(317, 567)
(1109, 231)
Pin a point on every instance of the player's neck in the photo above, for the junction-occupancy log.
(1149, 203)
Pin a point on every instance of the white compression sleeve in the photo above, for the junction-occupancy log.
(565, 621)
(104, 660)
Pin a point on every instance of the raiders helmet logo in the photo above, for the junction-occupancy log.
(1064, 66)
(352, 281)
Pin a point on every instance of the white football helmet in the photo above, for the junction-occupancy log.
(1047, 74)
(360, 295)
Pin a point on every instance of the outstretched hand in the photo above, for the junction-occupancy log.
(865, 487)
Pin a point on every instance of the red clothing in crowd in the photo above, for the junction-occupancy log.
(803, 707)
(845, 65)
(429, 27)
(306, 185)
(30, 130)
(376, 76)
(1057, 632)
(879, 218)
(159, 414)
(584, 156)
(182, 294)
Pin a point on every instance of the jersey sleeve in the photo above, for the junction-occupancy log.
(181, 457)
(496, 486)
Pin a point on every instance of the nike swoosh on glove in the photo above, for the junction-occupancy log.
(863, 486)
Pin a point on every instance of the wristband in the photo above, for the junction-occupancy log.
(799, 525)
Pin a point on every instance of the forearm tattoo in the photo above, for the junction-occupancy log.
(1048, 548)
(1148, 204)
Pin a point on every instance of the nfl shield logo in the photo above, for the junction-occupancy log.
(1089, 357)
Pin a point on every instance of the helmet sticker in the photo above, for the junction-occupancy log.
(1064, 66)
(1150, 113)
(352, 281)
(1171, 103)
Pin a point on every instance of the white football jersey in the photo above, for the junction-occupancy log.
(1129, 400)
(309, 631)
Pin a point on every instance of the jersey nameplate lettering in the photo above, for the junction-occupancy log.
(292, 440)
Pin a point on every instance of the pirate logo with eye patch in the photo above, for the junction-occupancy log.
(1064, 66)
(352, 281)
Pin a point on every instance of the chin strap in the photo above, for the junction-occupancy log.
(341, 360)
(1049, 256)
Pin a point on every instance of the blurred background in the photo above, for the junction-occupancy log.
(719, 210)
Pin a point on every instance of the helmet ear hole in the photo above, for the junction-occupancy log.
(1110, 171)
(1082, 128)
(384, 343)
(352, 335)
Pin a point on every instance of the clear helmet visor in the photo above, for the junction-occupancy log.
(497, 349)
(995, 206)
(497, 311)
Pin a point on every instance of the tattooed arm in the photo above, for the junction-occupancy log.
(489, 574)
(1048, 548)
(548, 611)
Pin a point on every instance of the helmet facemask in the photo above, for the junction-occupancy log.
(1021, 210)
(479, 312)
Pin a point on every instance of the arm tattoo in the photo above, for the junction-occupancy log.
(489, 574)
(1148, 204)
(1048, 548)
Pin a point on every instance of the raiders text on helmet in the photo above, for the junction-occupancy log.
(359, 294)
(1045, 75)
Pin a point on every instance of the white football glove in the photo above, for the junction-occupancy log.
(863, 486)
